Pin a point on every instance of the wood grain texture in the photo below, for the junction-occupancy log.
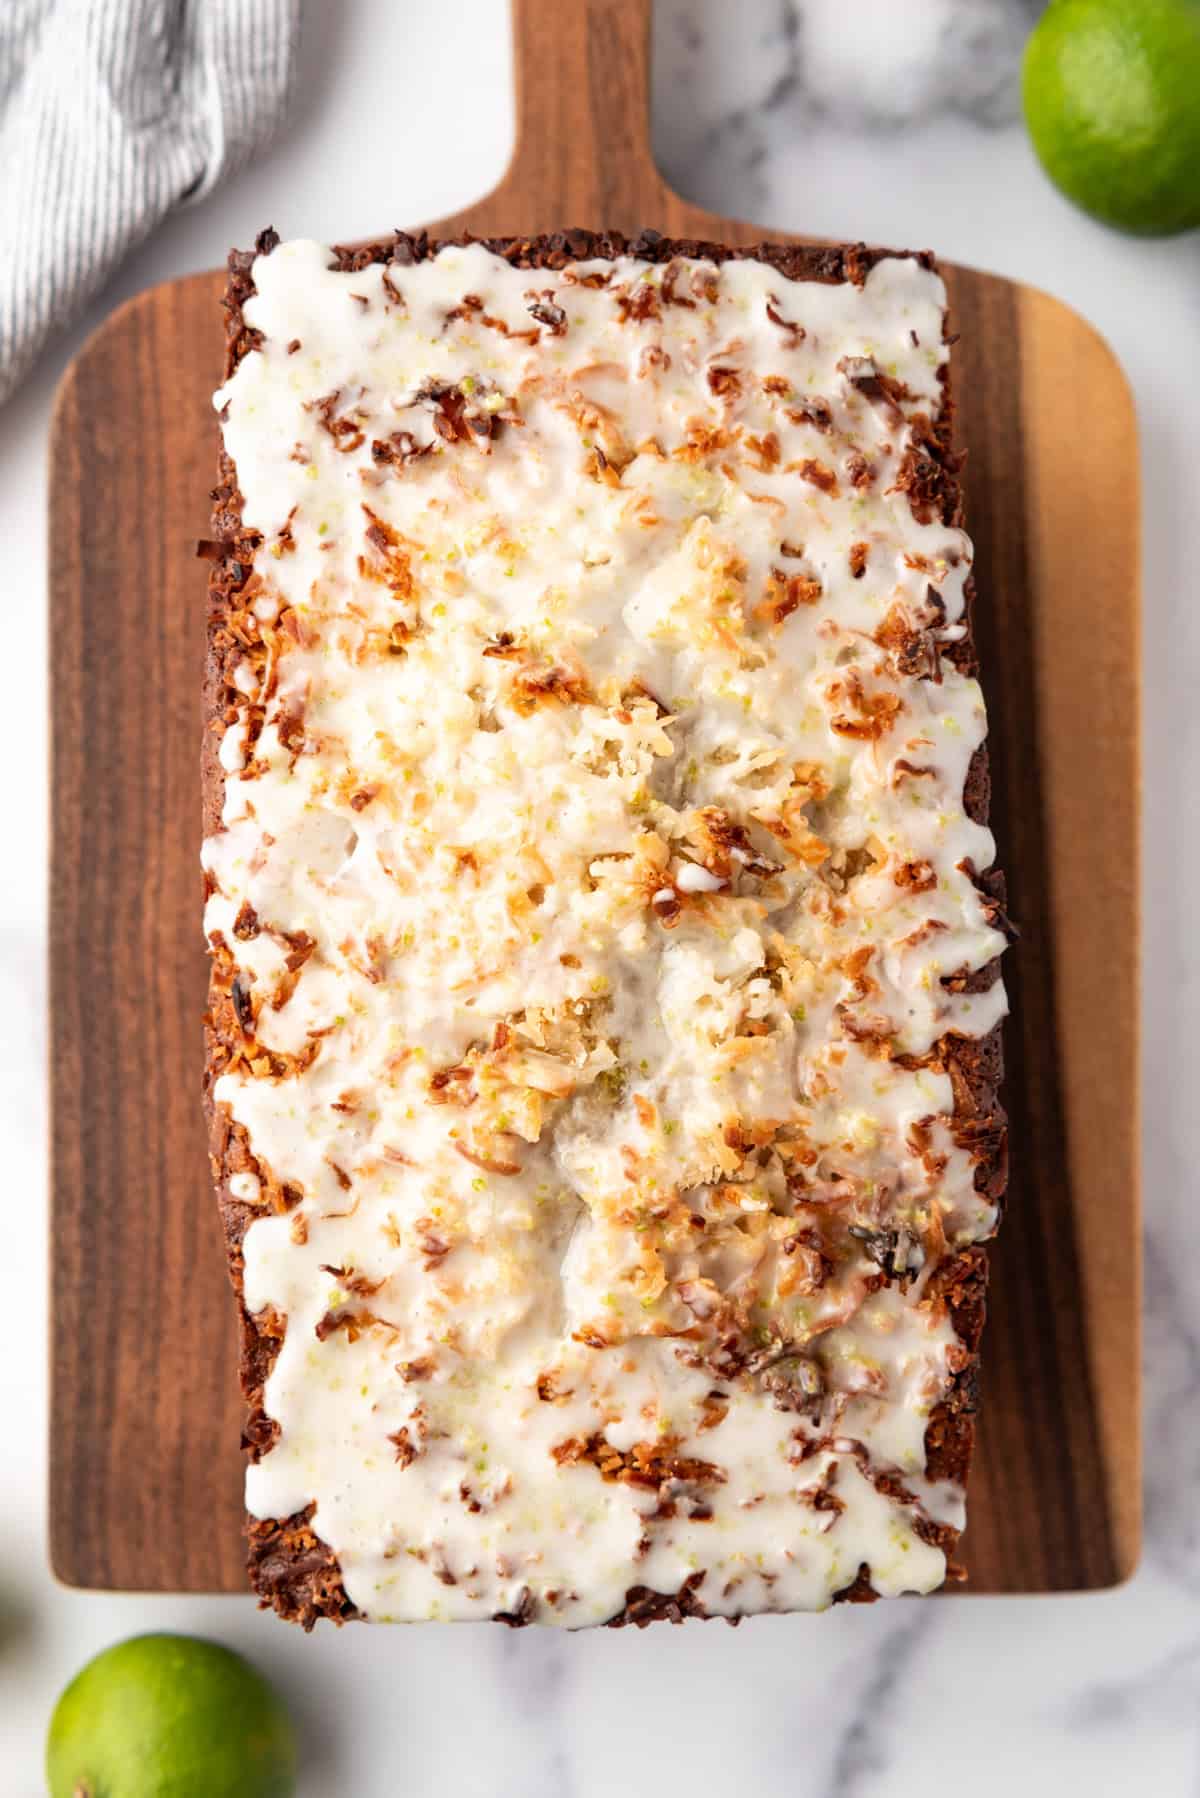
(145, 1472)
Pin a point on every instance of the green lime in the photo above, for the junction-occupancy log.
(1112, 101)
(170, 1717)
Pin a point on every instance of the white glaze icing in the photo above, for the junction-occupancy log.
(589, 797)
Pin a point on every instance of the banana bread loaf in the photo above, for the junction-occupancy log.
(603, 1046)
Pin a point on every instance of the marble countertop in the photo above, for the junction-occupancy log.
(882, 120)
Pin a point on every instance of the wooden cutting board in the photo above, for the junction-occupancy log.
(145, 1469)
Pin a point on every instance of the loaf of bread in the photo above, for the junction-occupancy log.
(603, 1047)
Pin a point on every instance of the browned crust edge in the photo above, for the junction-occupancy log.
(290, 1568)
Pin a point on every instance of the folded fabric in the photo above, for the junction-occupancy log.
(112, 112)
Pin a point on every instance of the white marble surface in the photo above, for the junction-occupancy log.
(836, 116)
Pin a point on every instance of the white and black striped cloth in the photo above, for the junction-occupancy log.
(112, 112)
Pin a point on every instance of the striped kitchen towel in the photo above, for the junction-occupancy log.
(112, 112)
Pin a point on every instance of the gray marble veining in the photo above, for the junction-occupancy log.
(765, 69)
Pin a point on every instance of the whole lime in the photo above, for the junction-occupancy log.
(170, 1717)
(1112, 101)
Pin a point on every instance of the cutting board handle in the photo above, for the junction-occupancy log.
(582, 150)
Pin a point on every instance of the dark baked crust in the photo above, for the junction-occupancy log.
(290, 1569)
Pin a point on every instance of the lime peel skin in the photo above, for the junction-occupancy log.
(169, 1716)
(1109, 90)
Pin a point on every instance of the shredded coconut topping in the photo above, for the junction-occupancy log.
(593, 893)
